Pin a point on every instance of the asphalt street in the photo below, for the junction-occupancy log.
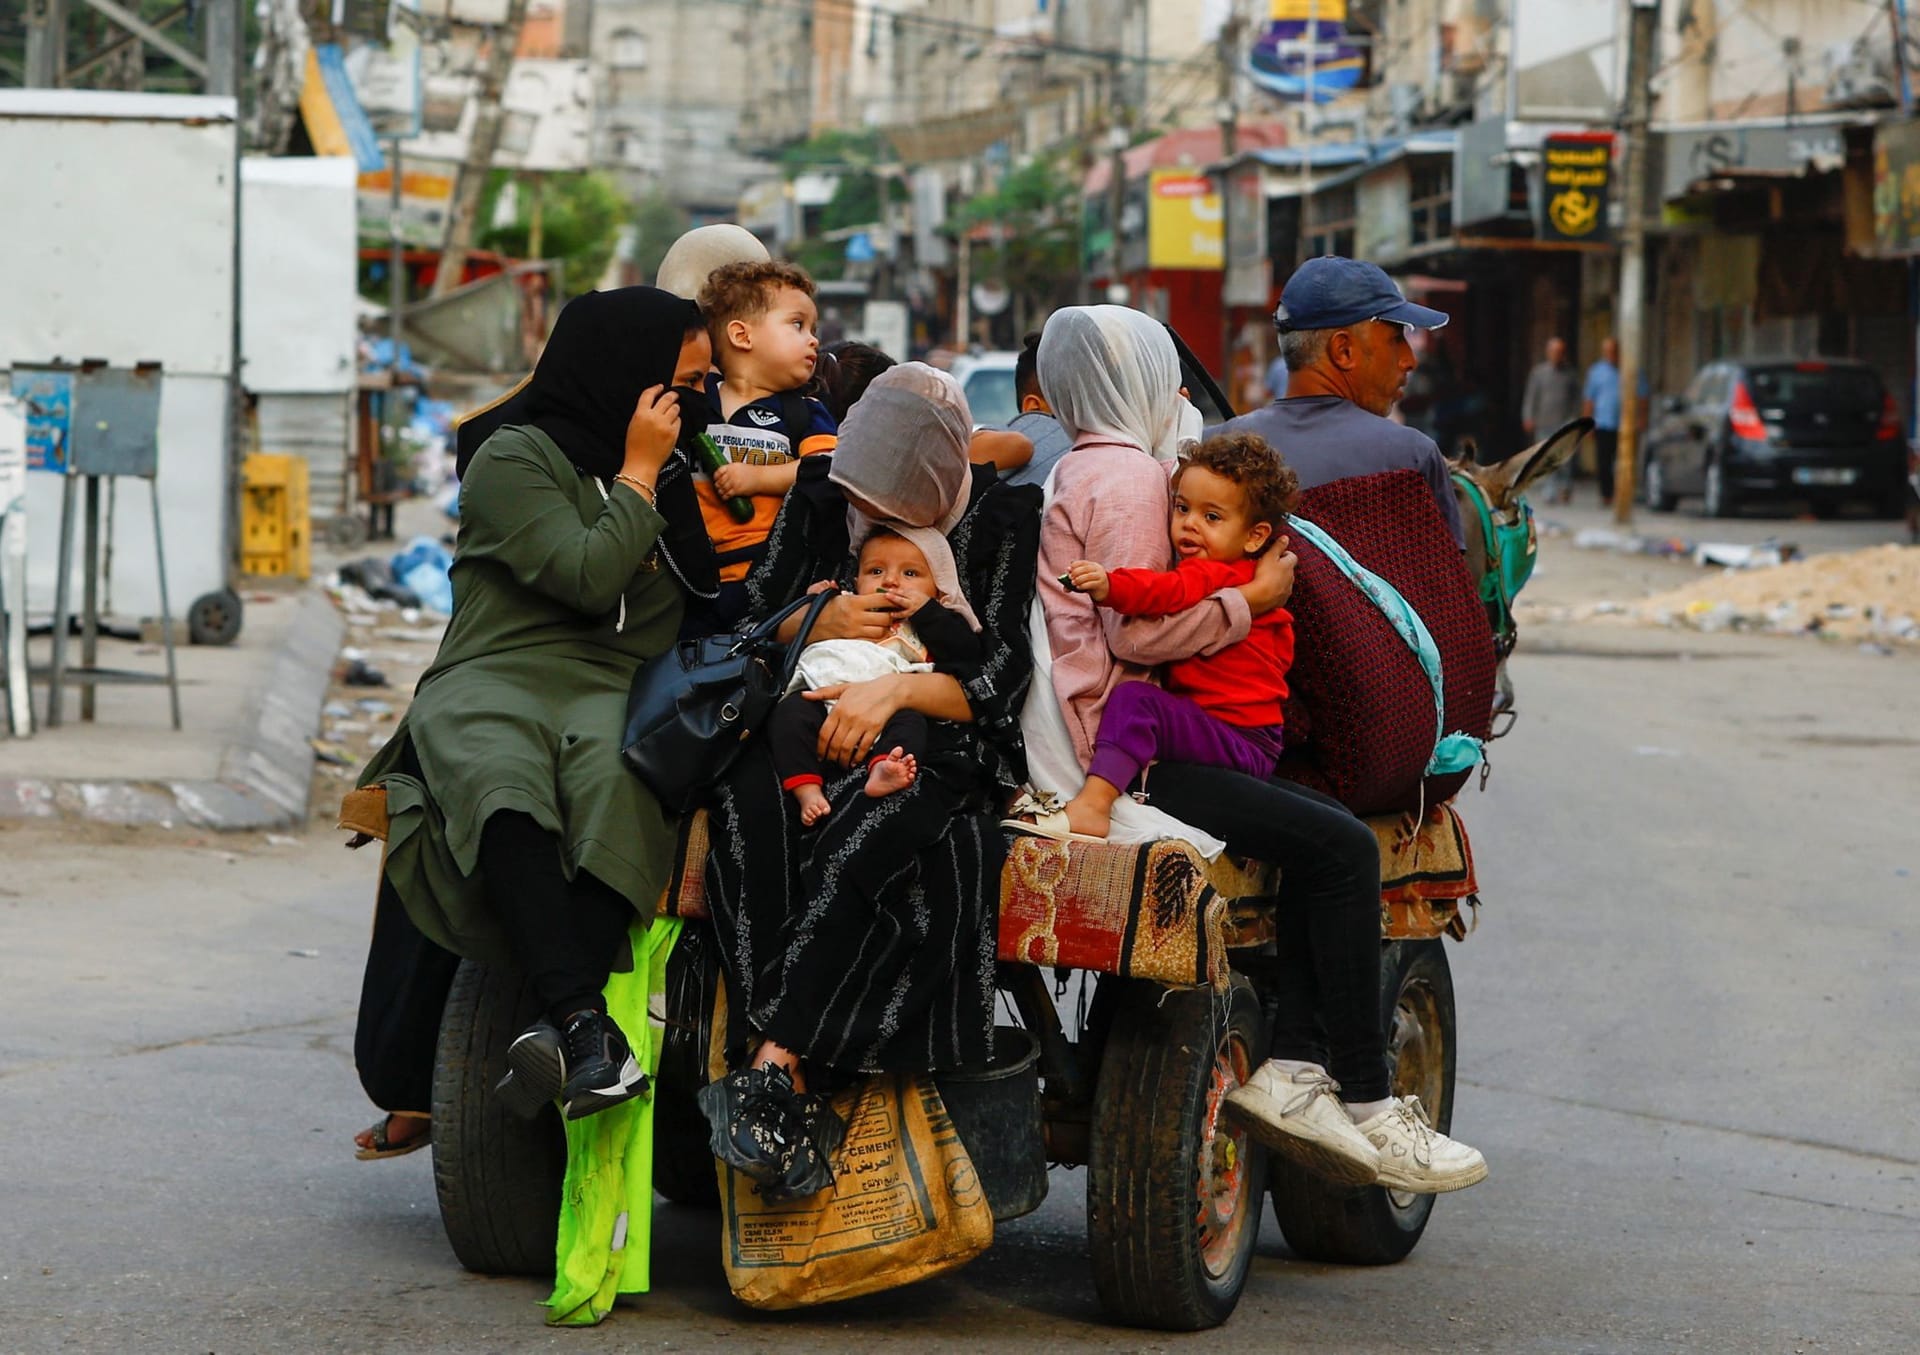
(1686, 1046)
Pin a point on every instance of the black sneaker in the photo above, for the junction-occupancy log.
(810, 1168)
(536, 1070)
(756, 1126)
(601, 1069)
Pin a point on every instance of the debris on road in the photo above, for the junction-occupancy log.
(1868, 596)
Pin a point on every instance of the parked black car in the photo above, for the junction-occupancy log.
(1823, 431)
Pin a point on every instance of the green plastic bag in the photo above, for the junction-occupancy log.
(606, 1206)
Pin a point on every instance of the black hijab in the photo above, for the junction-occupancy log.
(606, 348)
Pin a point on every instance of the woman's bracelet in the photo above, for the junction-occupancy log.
(644, 489)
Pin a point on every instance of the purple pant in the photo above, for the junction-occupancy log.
(1142, 723)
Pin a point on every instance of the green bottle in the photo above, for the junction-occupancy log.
(710, 457)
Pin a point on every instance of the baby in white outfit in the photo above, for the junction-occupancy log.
(926, 629)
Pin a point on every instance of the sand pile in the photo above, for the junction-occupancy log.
(1865, 595)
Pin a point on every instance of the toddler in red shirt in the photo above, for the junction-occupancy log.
(1230, 498)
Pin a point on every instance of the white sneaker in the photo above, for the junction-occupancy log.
(1416, 1157)
(1299, 1114)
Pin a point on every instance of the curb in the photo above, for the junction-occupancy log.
(266, 773)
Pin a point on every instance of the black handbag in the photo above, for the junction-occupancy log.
(692, 709)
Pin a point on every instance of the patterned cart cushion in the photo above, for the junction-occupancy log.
(1155, 911)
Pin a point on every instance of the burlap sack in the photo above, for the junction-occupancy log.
(905, 1204)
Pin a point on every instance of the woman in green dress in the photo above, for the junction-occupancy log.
(517, 835)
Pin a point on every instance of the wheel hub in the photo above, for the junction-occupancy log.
(1418, 1048)
(1221, 1178)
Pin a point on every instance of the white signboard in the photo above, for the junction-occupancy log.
(116, 229)
(299, 260)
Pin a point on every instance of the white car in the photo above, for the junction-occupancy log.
(987, 380)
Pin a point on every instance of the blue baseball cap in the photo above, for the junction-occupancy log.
(1330, 292)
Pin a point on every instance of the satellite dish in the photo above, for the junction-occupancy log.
(990, 298)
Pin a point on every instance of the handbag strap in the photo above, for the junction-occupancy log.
(813, 604)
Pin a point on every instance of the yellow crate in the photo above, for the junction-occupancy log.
(273, 470)
(275, 532)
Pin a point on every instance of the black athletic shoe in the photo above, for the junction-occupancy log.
(755, 1125)
(810, 1169)
(601, 1069)
(536, 1070)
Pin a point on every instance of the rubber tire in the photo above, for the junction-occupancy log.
(498, 1176)
(214, 618)
(1725, 503)
(1365, 1226)
(683, 1167)
(1653, 488)
(1149, 1110)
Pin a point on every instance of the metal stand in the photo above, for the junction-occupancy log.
(88, 675)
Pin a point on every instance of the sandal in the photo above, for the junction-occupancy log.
(1041, 813)
(383, 1144)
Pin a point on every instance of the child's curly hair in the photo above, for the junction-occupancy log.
(742, 291)
(1249, 460)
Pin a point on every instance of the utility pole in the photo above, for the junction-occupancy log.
(1631, 306)
(1229, 112)
(46, 43)
(1228, 108)
(480, 150)
(1307, 103)
(223, 36)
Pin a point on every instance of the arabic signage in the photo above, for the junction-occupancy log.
(1183, 221)
(1575, 170)
(1687, 157)
(1896, 188)
(1295, 31)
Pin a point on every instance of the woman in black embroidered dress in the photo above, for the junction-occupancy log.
(866, 943)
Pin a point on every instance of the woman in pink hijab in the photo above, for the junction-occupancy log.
(865, 943)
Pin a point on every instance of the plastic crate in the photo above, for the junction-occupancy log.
(275, 531)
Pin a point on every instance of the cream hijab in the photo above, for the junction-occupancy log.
(1112, 373)
(903, 450)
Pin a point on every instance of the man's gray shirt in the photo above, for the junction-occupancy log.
(1552, 397)
(1050, 443)
(1326, 438)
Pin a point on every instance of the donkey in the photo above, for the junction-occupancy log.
(1501, 545)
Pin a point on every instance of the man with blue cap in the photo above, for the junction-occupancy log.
(1343, 328)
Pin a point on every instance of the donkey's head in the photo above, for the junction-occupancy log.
(1503, 483)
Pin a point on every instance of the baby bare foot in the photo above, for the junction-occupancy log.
(895, 771)
(1089, 817)
(813, 804)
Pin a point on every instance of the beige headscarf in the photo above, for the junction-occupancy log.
(693, 257)
(903, 449)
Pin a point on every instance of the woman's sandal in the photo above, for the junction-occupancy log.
(383, 1144)
(1041, 813)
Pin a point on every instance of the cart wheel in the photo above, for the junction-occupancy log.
(214, 618)
(498, 1176)
(1173, 1189)
(346, 530)
(1370, 1225)
(683, 1165)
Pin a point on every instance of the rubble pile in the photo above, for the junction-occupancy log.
(1872, 596)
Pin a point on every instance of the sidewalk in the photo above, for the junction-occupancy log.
(242, 757)
(253, 714)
